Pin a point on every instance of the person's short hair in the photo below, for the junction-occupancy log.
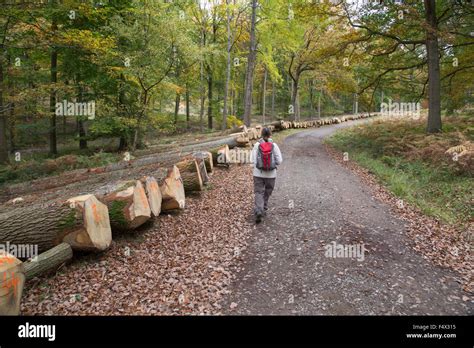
(266, 132)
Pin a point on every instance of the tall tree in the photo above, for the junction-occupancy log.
(251, 62)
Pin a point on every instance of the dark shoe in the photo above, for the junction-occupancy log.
(258, 218)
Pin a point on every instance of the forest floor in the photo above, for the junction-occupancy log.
(213, 259)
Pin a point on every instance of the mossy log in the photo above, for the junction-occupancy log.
(221, 155)
(82, 222)
(190, 174)
(48, 261)
(207, 157)
(128, 207)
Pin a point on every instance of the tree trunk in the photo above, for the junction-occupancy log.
(123, 143)
(128, 208)
(295, 99)
(3, 120)
(82, 134)
(137, 136)
(188, 125)
(172, 190)
(189, 171)
(53, 147)
(81, 120)
(48, 261)
(311, 98)
(220, 155)
(202, 169)
(11, 127)
(319, 103)
(153, 194)
(203, 89)
(209, 99)
(434, 85)
(176, 108)
(12, 279)
(82, 222)
(273, 99)
(228, 69)
(207, 158)
(264, 93)
(252, 57)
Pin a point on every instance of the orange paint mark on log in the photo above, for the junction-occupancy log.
(95, 213)
(7, 260)
(11, 283)
(143, 197)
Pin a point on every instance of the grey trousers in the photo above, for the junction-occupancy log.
(263, 188)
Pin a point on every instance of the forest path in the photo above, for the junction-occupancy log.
(285, 270)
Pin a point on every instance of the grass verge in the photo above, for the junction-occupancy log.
(415, 166)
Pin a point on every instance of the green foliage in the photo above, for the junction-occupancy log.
(396, 153)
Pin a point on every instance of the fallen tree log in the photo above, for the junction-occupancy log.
(153, 194)
(190, 173)
(172, 190)
(12, 280)
(82, 221)
(48, 261)
(128, 206)
(163, 157)
(221, 155)
(207, 157)
(243, 140)
(202, 169)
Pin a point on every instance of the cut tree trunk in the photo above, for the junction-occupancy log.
(82, 221)
(172, 190)
(153, 193)
(128, 207)
(48, 261)
(220, 155)
(207, 157)
(12, 279)
(202, 169)
(190, 173)
(243, 140)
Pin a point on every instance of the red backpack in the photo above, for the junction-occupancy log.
(265, 158)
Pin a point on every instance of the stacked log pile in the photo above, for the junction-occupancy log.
(86, 222)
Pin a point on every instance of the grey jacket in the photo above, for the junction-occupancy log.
(278, 160)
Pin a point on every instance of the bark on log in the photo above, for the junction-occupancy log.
(207, 157)
(128, 207)
(221, 155)
(190, 173)
(172, 190)
(48, 261)
(166, 156)
(82, 221)
(202, 170)
(12, 280)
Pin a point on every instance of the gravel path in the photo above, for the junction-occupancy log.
(316, 202)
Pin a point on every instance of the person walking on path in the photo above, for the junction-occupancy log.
(266, 157)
